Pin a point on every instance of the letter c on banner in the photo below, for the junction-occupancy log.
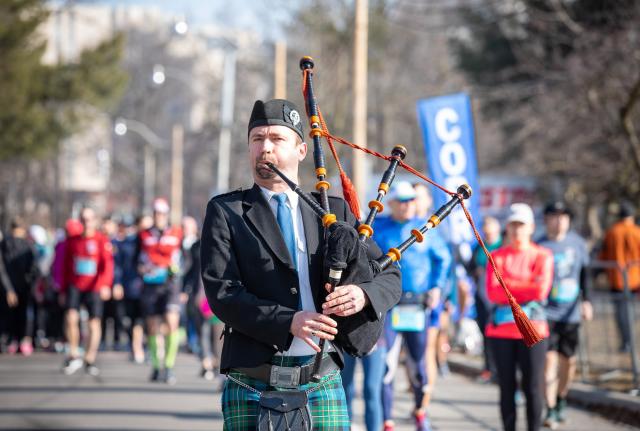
(443, 131)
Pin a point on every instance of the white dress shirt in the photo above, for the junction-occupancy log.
(298, 346)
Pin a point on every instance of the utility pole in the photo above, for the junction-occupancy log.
(360, 48)
(149, 176)
(280, 71)
(177, 156)
(226, 114)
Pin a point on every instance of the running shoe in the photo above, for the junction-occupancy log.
(71, 365)
(389, 427)
(156, 375)
(207, 374)
(169, 377)
(551, 420)
(91, 369)
(12, 348)
(422, 423)
(26, 348)
(561, 409)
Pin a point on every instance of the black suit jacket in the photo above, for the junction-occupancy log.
(251, 283)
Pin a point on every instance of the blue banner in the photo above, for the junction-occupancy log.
(448, 135)
(447, 130)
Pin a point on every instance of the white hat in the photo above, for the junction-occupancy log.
(402, 191)
(161, 205)
(520, 212)
(38, 234)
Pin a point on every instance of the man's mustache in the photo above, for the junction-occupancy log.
(262, 163)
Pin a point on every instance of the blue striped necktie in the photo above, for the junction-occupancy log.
(285, 221)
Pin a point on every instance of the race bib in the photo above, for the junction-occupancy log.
(503, 314)
(85, 267)
(567, 290)
(408, 317)
(156, 276)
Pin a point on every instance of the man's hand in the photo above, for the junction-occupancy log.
(105, 293)
(307, 324)
(586, 309)
(118, 292)
(345, 300)
(12, 299)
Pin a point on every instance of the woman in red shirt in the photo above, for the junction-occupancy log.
(527, 269)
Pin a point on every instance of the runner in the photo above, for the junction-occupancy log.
(424, 270)
(564, 307)
(159, 266)
(528, 270)
(87, 278)
(126, 278)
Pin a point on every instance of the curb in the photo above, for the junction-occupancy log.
(614, 406)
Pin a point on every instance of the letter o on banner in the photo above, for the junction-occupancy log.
(453, 159)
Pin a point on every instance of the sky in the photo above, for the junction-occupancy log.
(263, 16)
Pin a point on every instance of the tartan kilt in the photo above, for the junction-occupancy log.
(327, 402)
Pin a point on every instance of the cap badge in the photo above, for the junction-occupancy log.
(294, 117)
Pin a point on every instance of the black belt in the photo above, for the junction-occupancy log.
(288, 377)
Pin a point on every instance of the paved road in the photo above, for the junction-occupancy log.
(35, 395)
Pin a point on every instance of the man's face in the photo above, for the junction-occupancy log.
(160, 219)
(276, 144)
(519, 232)
(403, 210)
(88, 219)
(423, 200)
(491, 230)
(557, 224)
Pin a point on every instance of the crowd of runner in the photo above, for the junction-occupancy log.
(134, 285)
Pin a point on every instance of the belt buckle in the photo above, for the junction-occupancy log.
(285, 377)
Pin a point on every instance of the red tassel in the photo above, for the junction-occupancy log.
(529, 332)
(350, 195)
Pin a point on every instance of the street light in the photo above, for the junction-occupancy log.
(181, 27)
(158, 76)
(153, 144)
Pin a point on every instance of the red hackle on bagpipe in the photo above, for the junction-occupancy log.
(318, 130)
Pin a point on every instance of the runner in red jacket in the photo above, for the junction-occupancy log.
(159, 257)
(87, 277)
(528, 271)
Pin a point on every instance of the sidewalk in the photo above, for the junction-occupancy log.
(612, 405)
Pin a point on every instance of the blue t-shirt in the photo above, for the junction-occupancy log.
(569, 257)
(423, 265)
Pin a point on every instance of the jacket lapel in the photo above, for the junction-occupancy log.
(259, 213)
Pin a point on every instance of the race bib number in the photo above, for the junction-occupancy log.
(503, 314)
(156, 276)
(567, 290)
(85, 267)
(408, 317)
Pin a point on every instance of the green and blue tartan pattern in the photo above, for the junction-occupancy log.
(327, 401)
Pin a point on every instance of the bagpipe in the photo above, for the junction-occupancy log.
(346, 251)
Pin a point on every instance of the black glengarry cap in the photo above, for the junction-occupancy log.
(276, 112)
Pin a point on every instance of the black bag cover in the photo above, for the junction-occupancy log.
(357, 334)
(284, 410)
